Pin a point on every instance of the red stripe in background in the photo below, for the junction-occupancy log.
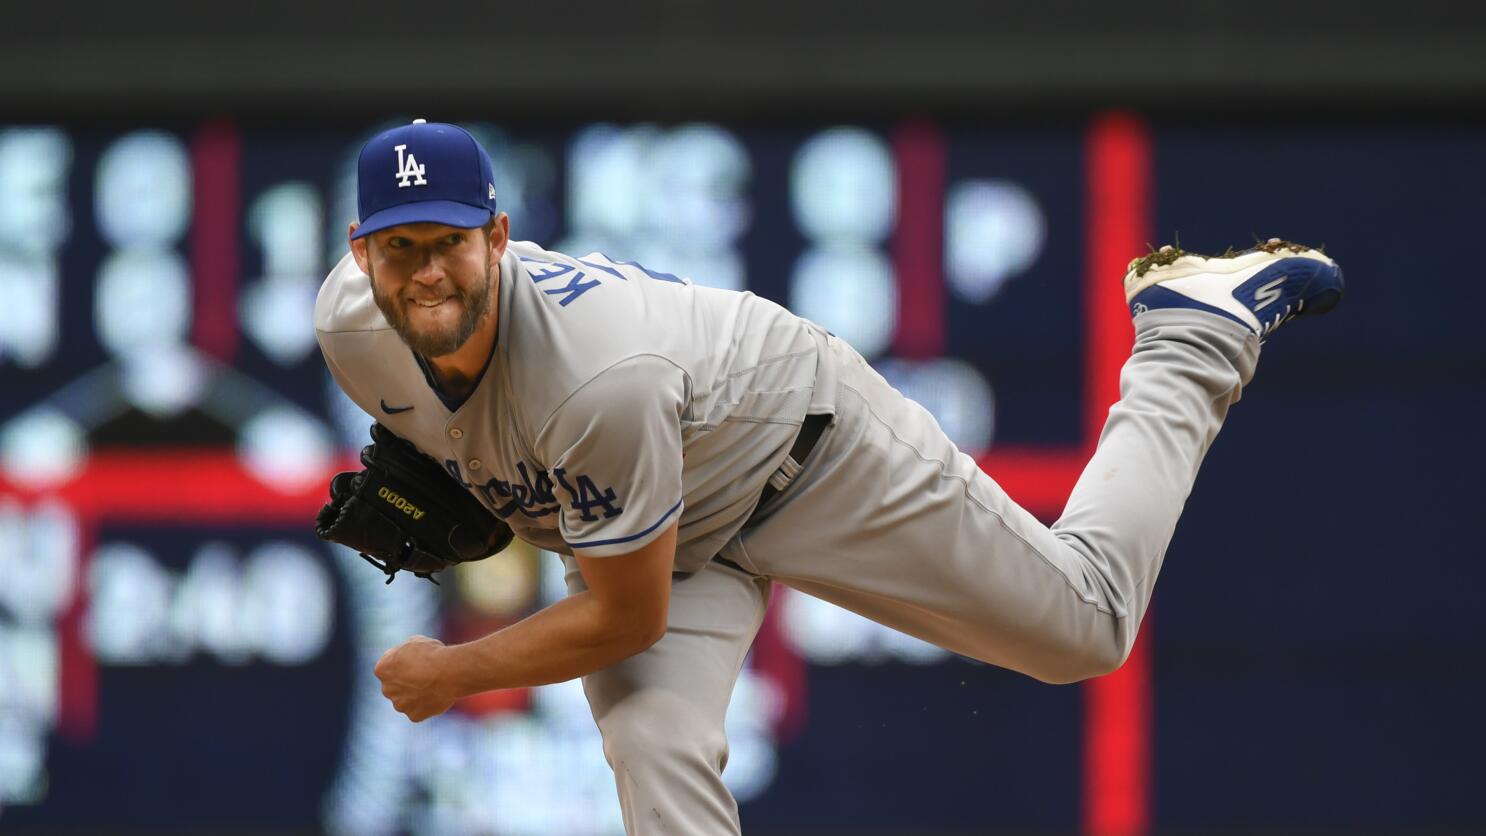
(918, 241)
(123, 485)
(1117, 720)
(1117, 707)
(182, 485)
(159, 486)
(216, 153)
(77, 670)
(1038, 478)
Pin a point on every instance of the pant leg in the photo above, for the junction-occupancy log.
(891, 521)
(661, 712)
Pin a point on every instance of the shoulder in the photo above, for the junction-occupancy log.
(345, 302)
(594, 283)
(360, 348)
(567, 320)
(631, 386)
(630, 407)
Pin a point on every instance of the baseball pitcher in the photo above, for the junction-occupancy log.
(682, 447)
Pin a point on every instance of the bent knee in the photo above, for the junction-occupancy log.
(1058, 663)
(1086, 661)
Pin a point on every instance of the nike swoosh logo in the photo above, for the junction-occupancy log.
(393, 410)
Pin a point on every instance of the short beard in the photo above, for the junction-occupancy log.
(476, 305)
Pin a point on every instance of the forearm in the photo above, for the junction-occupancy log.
(571, 638)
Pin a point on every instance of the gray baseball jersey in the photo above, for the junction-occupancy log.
(617, 400)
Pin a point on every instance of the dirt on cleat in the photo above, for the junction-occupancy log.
(1169, 254)
(1275, 245)
(1155, 258)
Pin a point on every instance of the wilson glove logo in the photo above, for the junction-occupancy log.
(395, 499)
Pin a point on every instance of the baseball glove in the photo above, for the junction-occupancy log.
(405, 513)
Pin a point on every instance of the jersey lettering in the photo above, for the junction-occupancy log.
(533, 496)
(453, 468)
(536, 492)
(575, 287)
(588, 495)
(579, 281)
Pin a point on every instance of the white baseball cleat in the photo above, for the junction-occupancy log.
(1261, 288)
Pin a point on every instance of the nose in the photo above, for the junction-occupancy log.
(430, 270)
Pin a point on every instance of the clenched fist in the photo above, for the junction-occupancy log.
(411, 678)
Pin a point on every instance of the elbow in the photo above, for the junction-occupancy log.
(645, 644)
(622, 633)
(638, 642)
(652, 634)
(643, 634)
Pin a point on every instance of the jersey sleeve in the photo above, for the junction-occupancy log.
(614, 451)
(343, 380)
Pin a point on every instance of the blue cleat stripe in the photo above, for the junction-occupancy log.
(1157, 297)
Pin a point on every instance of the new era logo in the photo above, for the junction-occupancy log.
(409, 172)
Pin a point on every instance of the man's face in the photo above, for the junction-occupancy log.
(432, 282)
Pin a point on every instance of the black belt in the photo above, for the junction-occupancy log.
(810, 431)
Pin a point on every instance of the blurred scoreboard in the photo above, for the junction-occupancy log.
(177, 650)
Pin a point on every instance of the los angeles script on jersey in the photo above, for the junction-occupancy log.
(533, 496)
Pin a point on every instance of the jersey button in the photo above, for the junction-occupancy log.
(474, 464)
(456, 433)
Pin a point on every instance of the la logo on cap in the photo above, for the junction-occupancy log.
(409, 172)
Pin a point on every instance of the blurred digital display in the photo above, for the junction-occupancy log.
(179, 653)
(159, 286)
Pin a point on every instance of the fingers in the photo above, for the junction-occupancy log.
(409, 702)
(410, 708)
(404, 703)
(384, 666)
(397, 671)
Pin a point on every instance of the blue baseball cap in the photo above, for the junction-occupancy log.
(424, 172)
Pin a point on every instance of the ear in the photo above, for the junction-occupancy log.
(358, 249)
(500, 236)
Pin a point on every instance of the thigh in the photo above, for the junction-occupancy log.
(714, 615)
(895, 523)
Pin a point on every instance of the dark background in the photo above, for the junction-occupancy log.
(1317, 642)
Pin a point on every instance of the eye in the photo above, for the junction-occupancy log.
(397, 242)
(453, 238)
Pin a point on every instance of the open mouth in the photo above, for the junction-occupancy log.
(431, 303)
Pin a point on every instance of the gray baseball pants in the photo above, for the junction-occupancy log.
(888, 519)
